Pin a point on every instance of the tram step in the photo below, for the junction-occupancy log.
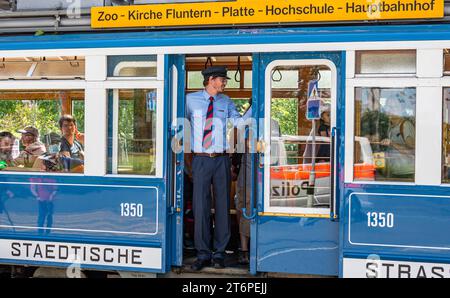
(209, 272)
(232, 270)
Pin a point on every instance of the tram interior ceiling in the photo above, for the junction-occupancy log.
(32, 68)
(239, 70)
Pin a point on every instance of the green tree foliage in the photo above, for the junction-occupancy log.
(78, 113)
(285, 111)
(17, 114)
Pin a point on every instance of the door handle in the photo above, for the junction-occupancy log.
(252, 189)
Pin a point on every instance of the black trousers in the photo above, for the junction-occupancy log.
(215, 171)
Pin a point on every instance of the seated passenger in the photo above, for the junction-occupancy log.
(6, 148)
(32, 147)
(71, 151)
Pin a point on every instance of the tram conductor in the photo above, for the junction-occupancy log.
(209, 110)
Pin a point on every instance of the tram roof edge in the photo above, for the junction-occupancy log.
(219, 36)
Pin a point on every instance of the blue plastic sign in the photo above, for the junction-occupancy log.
(313, 109)
(151, 101)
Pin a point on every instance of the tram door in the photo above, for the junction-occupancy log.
(176, 70)
(295, 223)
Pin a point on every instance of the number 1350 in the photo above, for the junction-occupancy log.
(380, 219)
(131, 210)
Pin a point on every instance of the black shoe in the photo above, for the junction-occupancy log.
(199, 264)
(219, 263)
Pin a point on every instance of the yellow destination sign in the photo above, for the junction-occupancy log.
(262, 12)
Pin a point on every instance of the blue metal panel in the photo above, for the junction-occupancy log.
(299, 245)
(80, 209)
(410, 216)
(420, 222)
(83, 195)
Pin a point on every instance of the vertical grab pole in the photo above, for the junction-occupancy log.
(333, 213)
(312, 174)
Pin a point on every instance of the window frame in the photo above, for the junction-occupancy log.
(299, 211)
(159, 87)
(95, 84)
(429, 83)
(353, 144)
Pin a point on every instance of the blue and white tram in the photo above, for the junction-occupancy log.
(374, 209)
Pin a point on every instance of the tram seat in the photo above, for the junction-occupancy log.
(302, 172)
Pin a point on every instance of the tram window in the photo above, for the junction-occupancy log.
(28, 68)
(446, 137)
(132, 66)
(299, 147)
(385, 120)
(386, 62)
(132, 132)
(31, 137)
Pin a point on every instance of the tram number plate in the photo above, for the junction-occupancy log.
(380, 220)
(131, 210)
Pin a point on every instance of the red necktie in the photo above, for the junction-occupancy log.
(207, 132)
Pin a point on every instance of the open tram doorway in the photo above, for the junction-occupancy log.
(293, 186)
(239, 89)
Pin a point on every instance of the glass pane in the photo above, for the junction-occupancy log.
(242, 104)
(386, 62)
(78, 113)
(42, 67)
(446, 137)
(325, 79)
(136, 132)
(248, 76)
(34, 137)
(384, 148)
(300, 148)
(285, 78)
(132, 66)
(195, 80)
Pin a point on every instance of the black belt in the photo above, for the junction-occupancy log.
(212, 155)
